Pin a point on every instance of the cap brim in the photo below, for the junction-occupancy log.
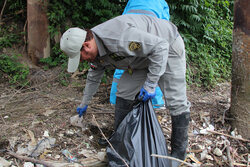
(73, 63)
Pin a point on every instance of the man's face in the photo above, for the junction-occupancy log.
(89, 51)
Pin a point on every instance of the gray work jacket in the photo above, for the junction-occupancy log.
(131, 42)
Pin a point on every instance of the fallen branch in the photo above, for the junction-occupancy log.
(24, 158)
(236, 138)
(172, 158)
(229, 154)
(109, 142)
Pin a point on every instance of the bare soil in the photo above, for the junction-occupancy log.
(47, 106)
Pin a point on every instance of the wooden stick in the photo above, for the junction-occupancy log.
(109, 142)
(236, 138)
(1, 14)
(238, 164)
(2, 118)
(30, 159)
(229, 154)
(172, 158)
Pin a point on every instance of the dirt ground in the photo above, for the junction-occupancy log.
(43, 110)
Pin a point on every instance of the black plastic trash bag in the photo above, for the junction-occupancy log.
(138, 136)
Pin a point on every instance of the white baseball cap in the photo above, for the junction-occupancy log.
(71, 43)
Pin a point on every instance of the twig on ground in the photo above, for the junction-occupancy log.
(248, 160)
(78, 73)
(109, 142)
(229, 154)
(16, 163)
(101, 109)
(105, 112)
(238, 165)
(236, 138)
(26, 93)
(172, 158)
(2, 118)
(28, 159)
(19, 90)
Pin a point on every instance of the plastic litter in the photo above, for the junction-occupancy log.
(69, 156)
(138, 136)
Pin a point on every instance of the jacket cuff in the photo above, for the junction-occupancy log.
(149, 86)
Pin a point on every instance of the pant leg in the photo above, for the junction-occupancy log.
(173, 81)
(129, 85)
(122, 108)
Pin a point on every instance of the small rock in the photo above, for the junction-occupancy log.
(209, 157)
(4, 163)
(91, 137)
(86, 153)
(28, 164)
(57, 156)
(208, 164)
(203, 154)
(209, 142)
(46, 133)
(48, 112)
(60, 134)
(70, 132)
(102, 156)
(217, 152)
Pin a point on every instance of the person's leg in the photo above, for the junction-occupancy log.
(173, 85)
(129, 86)
(122, 108)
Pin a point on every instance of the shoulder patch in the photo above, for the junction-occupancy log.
(134, 46)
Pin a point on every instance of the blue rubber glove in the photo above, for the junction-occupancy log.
(145, 95)
(81, 110)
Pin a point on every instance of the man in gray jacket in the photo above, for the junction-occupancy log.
(151, 51)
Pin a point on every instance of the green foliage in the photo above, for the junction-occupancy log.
(64, 79)
(14, 9)
(17, 72)
(56, 58)
(8, 37)
(206, 26)
(84, 14)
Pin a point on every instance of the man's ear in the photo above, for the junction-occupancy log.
(87, 46)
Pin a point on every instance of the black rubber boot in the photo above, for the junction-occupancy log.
(179, 137)
(122, 108)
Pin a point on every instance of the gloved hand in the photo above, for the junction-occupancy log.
(145, 95)
(81, 110)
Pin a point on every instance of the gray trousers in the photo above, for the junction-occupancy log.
(172, 82)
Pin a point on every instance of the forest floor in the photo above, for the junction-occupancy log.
(36, 122)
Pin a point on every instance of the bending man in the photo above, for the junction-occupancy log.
(151, 52)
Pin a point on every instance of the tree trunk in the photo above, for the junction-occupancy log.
(240, 94)
(38, 36)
